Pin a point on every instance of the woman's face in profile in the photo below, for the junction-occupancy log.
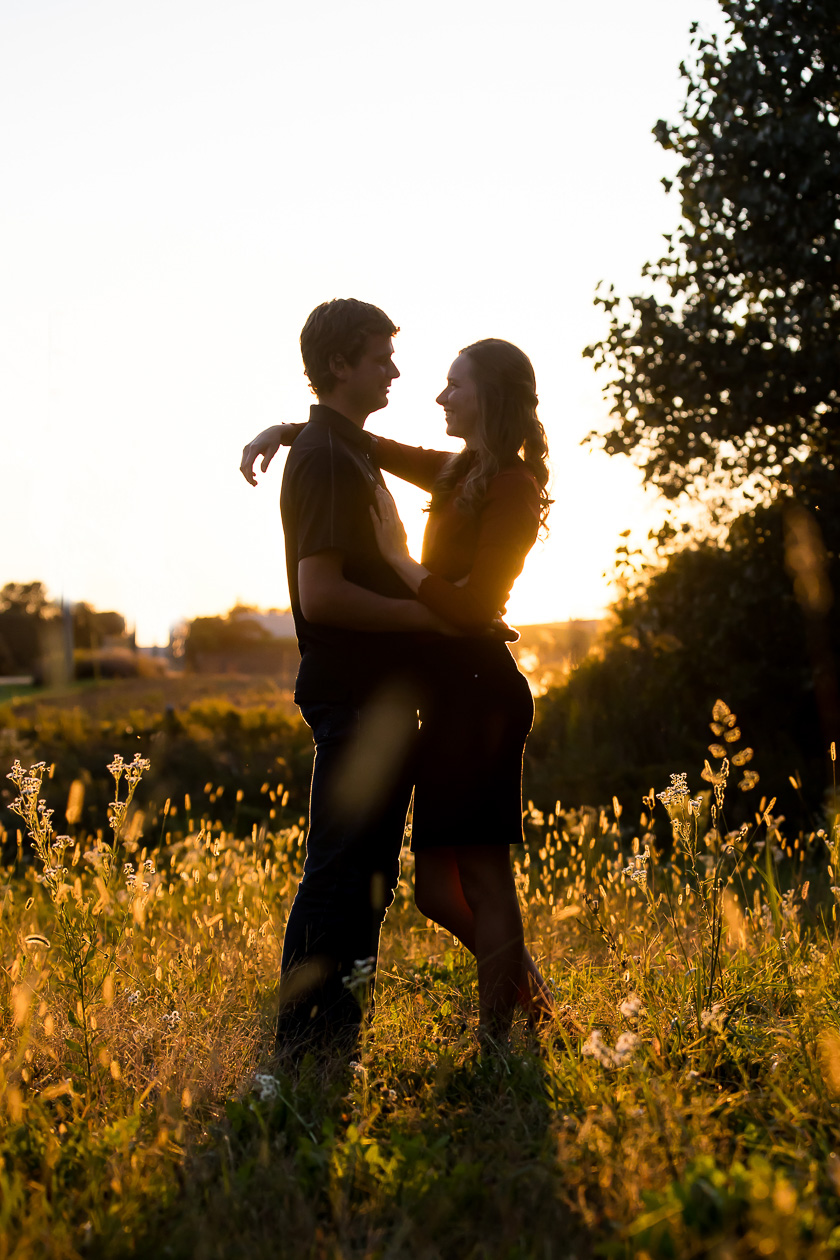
(460, 401)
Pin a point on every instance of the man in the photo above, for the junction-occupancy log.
(355, 621)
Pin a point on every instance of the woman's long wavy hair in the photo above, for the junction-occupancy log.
(508, 427)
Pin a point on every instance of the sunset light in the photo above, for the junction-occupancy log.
(184, 182)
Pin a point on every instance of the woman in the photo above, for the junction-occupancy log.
(487, 505)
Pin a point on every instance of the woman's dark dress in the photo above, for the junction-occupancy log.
(477, 709)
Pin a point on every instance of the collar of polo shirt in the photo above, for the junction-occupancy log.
(346, 429)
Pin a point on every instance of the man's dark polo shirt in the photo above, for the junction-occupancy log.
(329, 486)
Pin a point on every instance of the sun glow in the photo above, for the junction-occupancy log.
(150, 311)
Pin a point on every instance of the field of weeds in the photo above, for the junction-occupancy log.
(683, 1101)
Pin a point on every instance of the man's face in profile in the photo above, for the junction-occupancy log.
(367, 383)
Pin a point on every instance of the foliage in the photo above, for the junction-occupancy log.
(216, 634)
(27, 616)
(212, 758)
(751, 616)
(670, 1108)
(727, 370)
(90, 627)
(32, 628)
(29, 598)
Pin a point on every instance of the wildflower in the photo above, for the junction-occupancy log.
(765, 918)
(265, 1087)
(631, 1007)
(596, 1048)
(682, 808)
(133, 998)
(637, 870)
(626, 1045)
(637, 875)
(134, 771)
(676, 793)
(172, 1020)
(714, 1018)
(149, 866)
(361, 973)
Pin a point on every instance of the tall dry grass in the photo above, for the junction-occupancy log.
(683, 1101)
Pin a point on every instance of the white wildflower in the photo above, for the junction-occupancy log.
(631, 1007)
(677, 792)
(714, 1019)
(360, 975)
(596, 1048)
(626, 1045)
(266, 1087)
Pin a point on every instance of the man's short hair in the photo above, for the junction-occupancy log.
(341, 326)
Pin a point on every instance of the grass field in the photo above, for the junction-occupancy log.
(112, 700)
(682, 1103)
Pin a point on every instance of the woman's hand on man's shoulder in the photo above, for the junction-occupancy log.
(266, 444)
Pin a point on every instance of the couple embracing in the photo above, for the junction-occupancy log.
(383, 637)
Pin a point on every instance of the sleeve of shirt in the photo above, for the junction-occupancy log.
(410, 463)
(508, 529)
(330, 500)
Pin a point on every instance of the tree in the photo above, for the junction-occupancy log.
(725, 376)
(727, 373)
(25, 598)
(744, 622)
(91, 628)
(229, 633)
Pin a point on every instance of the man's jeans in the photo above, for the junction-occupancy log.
(361, 787)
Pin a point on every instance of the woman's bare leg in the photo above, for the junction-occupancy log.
(439, 895)
(489, 890)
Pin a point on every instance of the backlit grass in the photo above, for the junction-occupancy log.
(683, 1102)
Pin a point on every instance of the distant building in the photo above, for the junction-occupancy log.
(280, 625)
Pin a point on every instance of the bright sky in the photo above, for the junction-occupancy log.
(183, 180)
